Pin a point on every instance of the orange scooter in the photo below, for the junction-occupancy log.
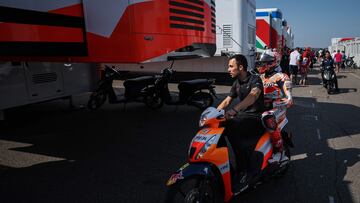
(208, 175)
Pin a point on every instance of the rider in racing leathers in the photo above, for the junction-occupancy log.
(277, 97)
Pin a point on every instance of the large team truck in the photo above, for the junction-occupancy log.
(269, 29)
(52, 49)
(235, 27)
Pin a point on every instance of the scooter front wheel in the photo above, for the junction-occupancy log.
(97, 99)
(195, 189)
(153, 101)
(202, 100)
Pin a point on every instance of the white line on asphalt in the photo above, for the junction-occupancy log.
(313, 105)
(355, 75)
(331, 199)
(318, 133)
(316, 118)
(299, 157)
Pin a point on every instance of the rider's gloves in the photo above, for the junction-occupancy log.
(230, 114)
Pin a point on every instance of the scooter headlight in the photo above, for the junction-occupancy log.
(206, 147)
(203, 119)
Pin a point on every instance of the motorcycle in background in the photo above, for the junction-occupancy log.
(135, 89)
(349, 63)
(191, 92)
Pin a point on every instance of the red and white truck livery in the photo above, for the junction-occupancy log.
(38, 36)
(235, 26)
(269, 29)
(104, 31)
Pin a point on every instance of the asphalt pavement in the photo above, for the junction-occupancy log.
(125, 153)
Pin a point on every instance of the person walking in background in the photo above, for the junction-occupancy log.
(343, 59)
(284, 63)
(333, 55)
(320, 56)
(304, 67)
(338, 59)
(312, 58)
(294, 65)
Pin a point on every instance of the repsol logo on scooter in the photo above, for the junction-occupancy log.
(224, 168)
(200, 138)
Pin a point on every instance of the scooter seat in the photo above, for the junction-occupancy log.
(139, 81)
(195, 84)
(134, 86)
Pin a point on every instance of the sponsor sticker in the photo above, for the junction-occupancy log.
(201, 138)
(205, 131)
(175, 177)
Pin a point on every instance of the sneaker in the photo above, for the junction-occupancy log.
(240, 183)
(279, 157)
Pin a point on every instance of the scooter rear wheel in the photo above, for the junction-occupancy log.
(195, 189)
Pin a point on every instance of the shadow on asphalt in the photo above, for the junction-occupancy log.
(312, 176)
(115, 154)
(118, 154)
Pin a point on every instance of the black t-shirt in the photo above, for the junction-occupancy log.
(241, 89)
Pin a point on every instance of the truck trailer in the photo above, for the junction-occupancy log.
(235, 28)
(269, 29)
(52, 49)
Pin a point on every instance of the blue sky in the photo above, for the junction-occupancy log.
(315, 22)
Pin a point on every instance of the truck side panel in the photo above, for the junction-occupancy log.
(102, 31)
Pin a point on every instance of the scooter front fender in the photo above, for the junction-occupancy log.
(190, 169)
(201, 169)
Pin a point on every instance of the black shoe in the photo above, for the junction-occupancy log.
(241, 183)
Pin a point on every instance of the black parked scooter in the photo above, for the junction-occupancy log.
(329, 79)
(135, 89)
(349, 63)
(190, 92)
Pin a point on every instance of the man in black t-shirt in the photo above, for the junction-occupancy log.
(243, 125)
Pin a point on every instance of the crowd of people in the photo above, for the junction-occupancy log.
(297, 63)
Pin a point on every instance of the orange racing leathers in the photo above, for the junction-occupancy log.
(277, 97)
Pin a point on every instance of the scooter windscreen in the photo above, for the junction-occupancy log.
(209, 114)
(328, 75)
